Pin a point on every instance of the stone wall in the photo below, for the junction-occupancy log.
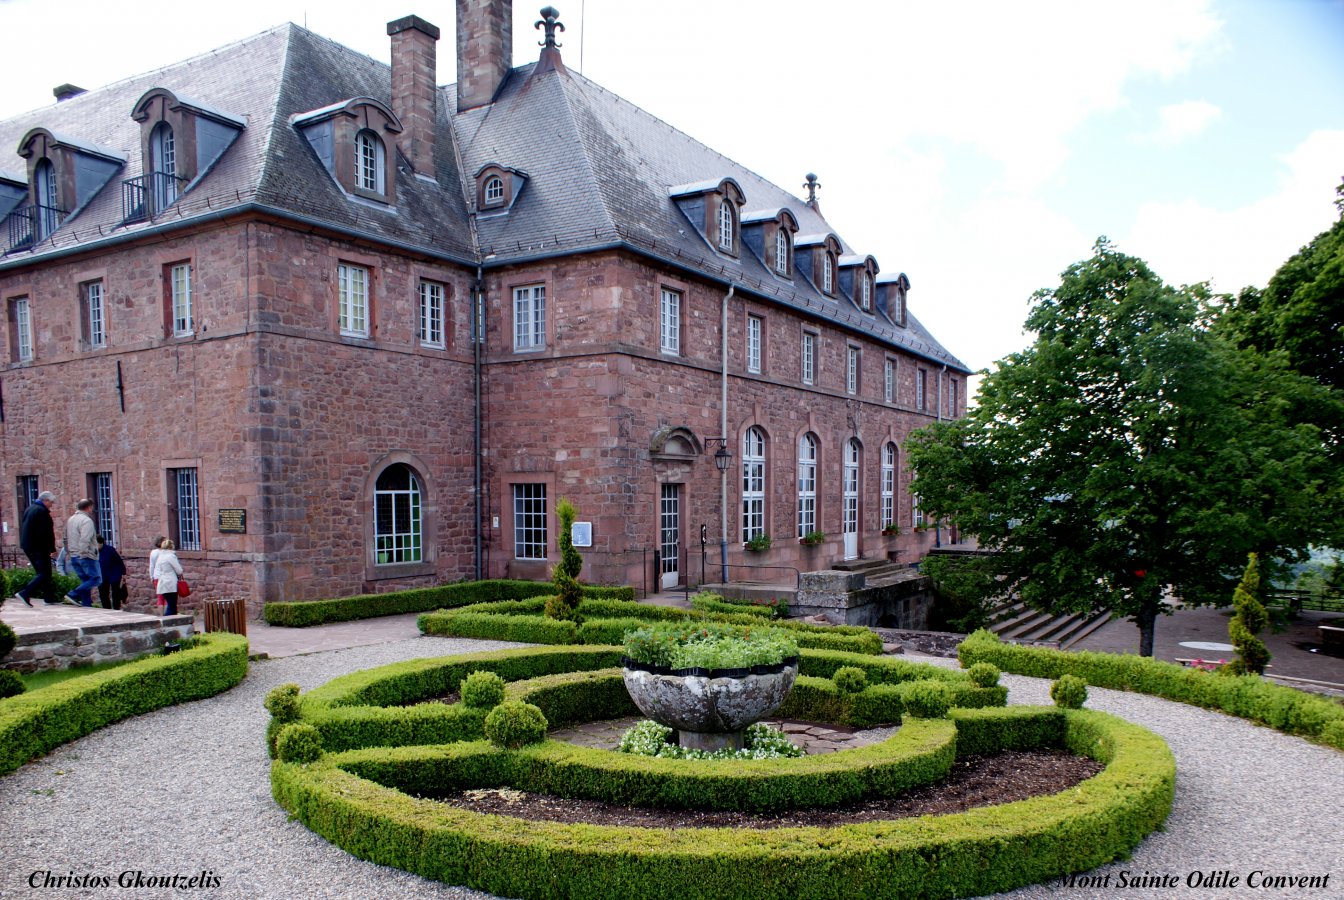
(845, 598)
(64, 648)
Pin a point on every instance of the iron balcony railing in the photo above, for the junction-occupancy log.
(148, 195)
(29, 224)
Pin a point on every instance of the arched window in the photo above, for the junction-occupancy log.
(867, 291)
(888, 485)
(807, 485)
(369, 164)
(48, 213)
(753, 484)
(494, 191)
(163, 165)
(782, 251)
(398, 528)
(726, 225)
(828, 274)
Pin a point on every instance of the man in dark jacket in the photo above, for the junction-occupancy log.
(111, 592)
(37, 537)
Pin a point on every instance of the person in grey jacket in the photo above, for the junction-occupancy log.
(81, 542)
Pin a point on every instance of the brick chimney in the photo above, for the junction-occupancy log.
(484, 50)
(413, 88)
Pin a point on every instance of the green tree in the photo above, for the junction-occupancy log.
(1249, 620)
(565, 603)
(1127, 452)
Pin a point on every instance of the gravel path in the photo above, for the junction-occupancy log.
(185, 790)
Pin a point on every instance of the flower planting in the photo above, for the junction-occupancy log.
(648, 738)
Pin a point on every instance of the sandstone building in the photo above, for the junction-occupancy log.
(336, 329)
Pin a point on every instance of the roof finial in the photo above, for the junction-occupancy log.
(550, 20)
(812, 185)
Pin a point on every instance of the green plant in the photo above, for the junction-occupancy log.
(1069, 692)
(8, 640)
(758, 543)
(850, 680)
(18, 578)
(1250, 620)
(513, 724)
(298, 743)
(891, 528)
(926, 699)
(1333, 734)
(565, 603)
(812, 538)
(282, 702)
(11, 685)
(648, 738)
(708, 645)
(984, 674)
(483, 690)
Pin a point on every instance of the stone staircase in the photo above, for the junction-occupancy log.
(1013, 620)
(878, 572)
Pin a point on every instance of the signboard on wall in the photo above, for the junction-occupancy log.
(233, 521)
(582, 534)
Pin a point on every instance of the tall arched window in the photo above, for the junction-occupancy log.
(867, 291)
(753, 484)
(398, 528)
(807, 485)
(369, 163)
(48, 214)
(726, 225)
(888, 485)
(828, 273)
(163, 165)
(781, 251)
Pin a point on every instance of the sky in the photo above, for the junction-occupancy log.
(979, 147)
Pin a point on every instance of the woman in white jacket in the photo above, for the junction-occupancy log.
(166, 572)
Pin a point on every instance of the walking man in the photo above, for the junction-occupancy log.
(81, 542)
(37, 537)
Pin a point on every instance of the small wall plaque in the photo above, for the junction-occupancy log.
(233, 521)
(582, 534)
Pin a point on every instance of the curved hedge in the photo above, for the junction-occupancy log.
(1246, 696)
(35, 722)
(980, 851)
(302, 613)
(605, 621)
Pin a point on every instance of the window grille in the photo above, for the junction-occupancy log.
(184, 517)
(529, 317)
(809, 358)
(530, 540)
(888, 485)
(104, 510)
(754, 331)
(781, 251)
(670, 322)
(753, 484)
(96, 335)
(807, 485)
(353, 287)
(369, 164)
(726, 225)
(494, 190)
(398, 527)
(431, 314)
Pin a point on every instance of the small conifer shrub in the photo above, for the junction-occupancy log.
(984, 674)
(1250, 620)
(299, 742)
(1069, 692)
(513, 724)
(483, 690)
(850, 680)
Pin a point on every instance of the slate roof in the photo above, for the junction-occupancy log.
(600, 171)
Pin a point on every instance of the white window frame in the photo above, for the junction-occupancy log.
(827, 273)
(727, 223)
(669, 322)
(852, 370)
(23, 326)
(889, 380)
(807, 484)
(916, 514)
(782, 251)
(753, 484)
(493, 192)
(531, 537)
(96, 312)
(44, 190)
(755, 337)
(393, 547)
(353, 300)
(529, 317)
(370, 162)
(888, 484)
(163, 164)
(921, 389)
(866, 291)
(179, 289)
(809, 355)
(432, 295)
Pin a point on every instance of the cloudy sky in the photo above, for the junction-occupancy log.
(980, 147)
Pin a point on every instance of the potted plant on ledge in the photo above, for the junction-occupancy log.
(812, 538)
(758, 544)
(891, 529)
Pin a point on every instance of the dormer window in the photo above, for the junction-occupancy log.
(497, 188)
(866, 291)
(44, 195)
(782, 252)
(163, 165)
(370, 162)
(713, 208)
(64, 172)
(180, 139)
(727, 226)
(494, 191)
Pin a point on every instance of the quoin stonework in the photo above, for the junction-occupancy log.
(336, 329)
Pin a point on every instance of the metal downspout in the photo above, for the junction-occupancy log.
(477, 293)
(723, 431)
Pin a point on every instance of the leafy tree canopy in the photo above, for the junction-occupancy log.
(1128, 449)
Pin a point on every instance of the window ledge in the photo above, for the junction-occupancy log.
(374, 572)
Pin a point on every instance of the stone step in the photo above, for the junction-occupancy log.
(865, 565)
(1087, 628)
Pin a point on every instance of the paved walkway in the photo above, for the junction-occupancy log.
(276, 642)
(41, 617)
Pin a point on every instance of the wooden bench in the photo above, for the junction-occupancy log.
(1331, 635)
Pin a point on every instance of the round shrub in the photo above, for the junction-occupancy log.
(1333, 733)
(850, 680)
(7, 639)
(515, 724)
(299, 743)
(482, 690)
(984, 674)
(927, 699)
(11, 685)
(1069, 692)
(283, 703)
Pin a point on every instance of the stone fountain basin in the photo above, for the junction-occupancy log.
(711, 703)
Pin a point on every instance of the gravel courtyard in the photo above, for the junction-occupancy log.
(185, 790)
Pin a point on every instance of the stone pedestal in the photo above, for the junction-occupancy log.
(709, 713)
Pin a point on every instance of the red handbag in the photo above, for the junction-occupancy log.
(183, 589)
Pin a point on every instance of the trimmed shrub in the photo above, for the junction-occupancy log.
(1333, 734)
(1069, 692)
(282, 703)
(1250, 620)
(1248, 697)
(984, 674)
(8, 639)
(298, 743)
(850, 679)
(524, 629)
(482, 690)
(11, 685)
(926, 699)
(35, 722)
(710, 602)
(513, 724)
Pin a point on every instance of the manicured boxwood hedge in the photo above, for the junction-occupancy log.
(367, 606)
(1248, 697)
(14, 580)
(604, 621)
(33, 723)
(977, 852)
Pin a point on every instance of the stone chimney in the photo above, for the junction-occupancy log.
(484, 50)
(64, 92)
(413, 88)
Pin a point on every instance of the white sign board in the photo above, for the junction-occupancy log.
(582, 534)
